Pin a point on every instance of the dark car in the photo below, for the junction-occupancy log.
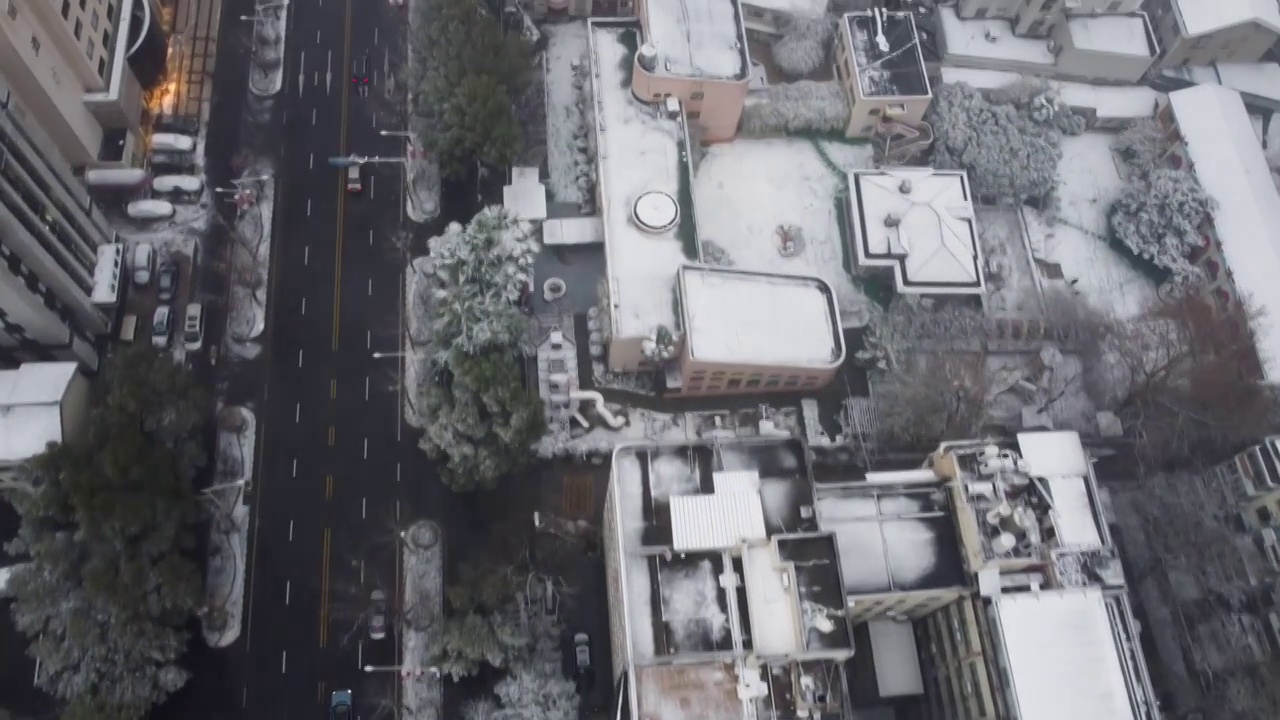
(178, 124)
(377, 615)
(167, 281)
(360, 74)
(340, 705)
(582, 673)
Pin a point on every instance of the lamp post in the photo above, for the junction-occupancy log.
(396, 133)
(380, 355)
(404, 670)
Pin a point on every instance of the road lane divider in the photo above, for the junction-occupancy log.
(324, 590)
(333, 389)
(331, 435)
(342, 185)
(328, 487)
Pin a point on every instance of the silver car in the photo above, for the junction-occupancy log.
(377, 615)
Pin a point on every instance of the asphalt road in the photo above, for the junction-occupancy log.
(338, 470)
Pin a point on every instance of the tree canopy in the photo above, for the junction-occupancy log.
(107, 523)
(467, 76)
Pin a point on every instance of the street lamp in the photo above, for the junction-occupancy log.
(396, 133)
(380, 355)
(404, 670)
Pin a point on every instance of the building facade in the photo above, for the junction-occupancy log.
(1198, 33)
(68, 62)
(1038, 17)
(879, 64)
(50, 233)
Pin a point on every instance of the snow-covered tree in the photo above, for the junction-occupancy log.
(799, 107)
(929, 397)
(1141, 145)
(477, 275)
(1158, 216)
(1010, 152)
(805, 44)
(106, 524)
(534, 688)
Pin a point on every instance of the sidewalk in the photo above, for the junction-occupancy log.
(422, 173)
(194, 25)
(421, 613)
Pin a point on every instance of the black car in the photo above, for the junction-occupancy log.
(360, 74)
(166, 281)
(178, 124)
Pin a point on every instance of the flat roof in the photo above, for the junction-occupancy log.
(1120, 34)
(1199, 17)
(1061, 656)
(697, 38)
(811, 8)
(30, 408)
(895, 69)
(1107, 101)
(760, 319)
(1229, 162)
(702, 691)
(969, 39)
(640, 149)
(920, 223)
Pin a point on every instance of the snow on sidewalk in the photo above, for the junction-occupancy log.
(416, 336)
(270, 25)
(229, 530)
(250, 266)
(422, 610)
(422, 175)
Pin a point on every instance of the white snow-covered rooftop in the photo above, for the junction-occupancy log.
(920, 223)
(810, 8)
(1120, 34)
(759, 319)
(30, 408)
(1261, 78)
(1062, 657)
(1202, 16)
(987, 40)
(771, 603)
(572, 231)
(1108, 101)
(640, 150)
(1231, 166)
(697, 38)
(526, 196)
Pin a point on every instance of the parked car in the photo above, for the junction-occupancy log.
(149, 209)
(115, 178)
(162, 327)
(582, 673)
(354, 184)
(193, 327)
(360, 74)
(144, 263)
(377, 615)
(340, 705)
(188, 184)
(166, 281)
(172, 163)
(178, 124)
(172, 142)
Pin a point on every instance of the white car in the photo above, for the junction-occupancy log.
(193, 328)
(172, 142)
(161, 327)
(144, 264)
(149, 209)
(177, 184)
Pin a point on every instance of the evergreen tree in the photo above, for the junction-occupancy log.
(105, 523)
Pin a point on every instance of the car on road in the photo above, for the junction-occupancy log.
(193, 327)
(173, 142)
(144, 262)
(582, 673)
(377, 615)
(340, 705)
(149, 209)
(162, 327)
(354, 184)
(360, 74)
(166, 281)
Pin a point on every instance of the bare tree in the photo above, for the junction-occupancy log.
(928, 396)
(1185, 380)
(245, 270)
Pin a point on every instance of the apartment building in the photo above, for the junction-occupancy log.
(51, 235)
(1038, 17)
(1194, 32)
(68, 61)
(881, 67)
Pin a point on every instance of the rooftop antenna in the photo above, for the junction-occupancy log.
(881, 41)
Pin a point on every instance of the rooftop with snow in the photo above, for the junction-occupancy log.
(1104, 102)
(1231, 166)
(753, 318)
(919, 223)
(697, 38)
(31, 408)
(886, 52)
(1197, 17)
(1121, 34)
(643, 173)
(986, 40)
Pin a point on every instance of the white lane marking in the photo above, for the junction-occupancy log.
(371, 286)
(362, 572)
(311, 164)
(397, 511)
(297, 412)
(366, 387)
(328, 75)
(315, 79)
(366, 448)
(375, 36)
(244, 696)
(363, 509)
(313, 116)
(304, 306)
(295, 470)
(317, 37)
(283, 658)
(287, 584)
(306, 254)
(375, 119)
(299, 357)
(397, 472)
(368, 339)
(290, 531)
(370, 236)
(375, 77)
(302, 63)
(360, 655)
(371, 179)
(309, 199)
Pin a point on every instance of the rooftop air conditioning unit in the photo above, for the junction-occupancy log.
(992, 34)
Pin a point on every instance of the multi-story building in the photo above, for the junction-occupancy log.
(68, 61)
(880, 66)
(981, 586)
(771, 16)
(50, 237)
(1038, 17)
(40, 403)
(1193, 32)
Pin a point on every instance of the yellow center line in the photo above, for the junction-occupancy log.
(328, 487)
(324, 590)
(342, 181)
(331, 436)
(333, 389)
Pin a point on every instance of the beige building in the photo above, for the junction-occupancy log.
(1038, 17)
(67, 61)
(879, 63)
(771, 16)
(1193, 32)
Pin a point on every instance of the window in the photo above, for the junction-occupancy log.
(896, 108)
(89, 50)
(66, 9)
(111, 11)
(753, 383)
(102, 68)
(866, 129)
(698, 95)
(78, 30)
(693, 115)
(93, 20)
(1264, 515)
(35, 44)
(106, 37)
(873, 111)
(82, 4)
(733, 384)
(12, 10)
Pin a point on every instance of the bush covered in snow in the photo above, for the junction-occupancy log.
(1159, 212)
(804, 45)
(1010, 144)
(799, 107)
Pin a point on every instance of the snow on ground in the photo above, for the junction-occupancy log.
(229, 532)
(642, 425)
(423, 578)
(696, 38)
(691, 605)
(1089, 182)
(5, 573)
(1012, 287)
(745, 190)
(416, 335)
(270, 26)
(422, 176)
(250, 260)
(566, 45)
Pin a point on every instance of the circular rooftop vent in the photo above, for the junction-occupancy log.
(655, 212)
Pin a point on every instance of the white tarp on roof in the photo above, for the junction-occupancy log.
(1062, 659)
(1053, 453)
(1231, 166)
(772, 605)
(30, 408)
(1204, 16)
(1073, 512)
(716, 521)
